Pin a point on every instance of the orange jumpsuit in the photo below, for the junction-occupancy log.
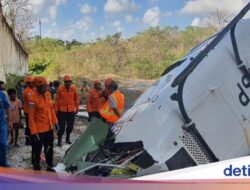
(42, 115)
(42, 119)
(94, 101)
(66, 104)
(67, 100)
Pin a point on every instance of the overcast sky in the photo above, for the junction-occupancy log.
(86, 20)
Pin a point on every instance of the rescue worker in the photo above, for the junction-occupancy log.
(66, 106)
(104, 93)
(27, 94)
(94, 100)
(4, 110)
(112, 109)
(42, 119)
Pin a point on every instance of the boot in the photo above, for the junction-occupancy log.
(50, 169)
(68, 140)
(35, 161)
(37, 167)
(59, 142)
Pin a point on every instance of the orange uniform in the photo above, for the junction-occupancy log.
(107, 112)
(27, 94)
(42, 117)
(67, 100)
(94, 101)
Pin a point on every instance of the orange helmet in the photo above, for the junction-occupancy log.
(107, 82)
(67, 78)
(96, 82)
(28, 79)
(40, 81)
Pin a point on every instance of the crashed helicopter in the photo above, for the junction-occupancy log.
(196, 113)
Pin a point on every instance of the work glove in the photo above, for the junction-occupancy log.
(35, 138)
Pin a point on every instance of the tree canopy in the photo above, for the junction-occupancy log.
(146, 55)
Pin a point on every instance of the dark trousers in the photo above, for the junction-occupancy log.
(3, 155)
(3, 142)
(27, 129)
(46, 140)
(65, 118)
(94, 114)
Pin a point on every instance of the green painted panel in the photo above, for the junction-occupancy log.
(94, 135)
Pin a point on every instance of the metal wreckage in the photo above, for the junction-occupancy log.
(196, 113)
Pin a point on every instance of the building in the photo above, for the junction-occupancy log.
(13, 57)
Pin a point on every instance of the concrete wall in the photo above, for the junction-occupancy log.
(13, 58)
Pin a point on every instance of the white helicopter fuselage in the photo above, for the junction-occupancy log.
(216, 97)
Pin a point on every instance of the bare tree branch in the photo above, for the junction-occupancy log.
(219, 19)
(19, 16)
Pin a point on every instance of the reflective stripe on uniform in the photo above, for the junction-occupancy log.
(107, 112)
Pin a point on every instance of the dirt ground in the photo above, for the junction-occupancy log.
(20, 157)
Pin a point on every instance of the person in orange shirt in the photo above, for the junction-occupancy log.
(27, 94)
(94, 100)
(42, 119)
(66, 106)
(113, 108)
(104, 93)
(111, 111)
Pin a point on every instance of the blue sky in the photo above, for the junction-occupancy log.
(86, 20)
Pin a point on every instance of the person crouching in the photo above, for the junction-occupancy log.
(42, 119)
